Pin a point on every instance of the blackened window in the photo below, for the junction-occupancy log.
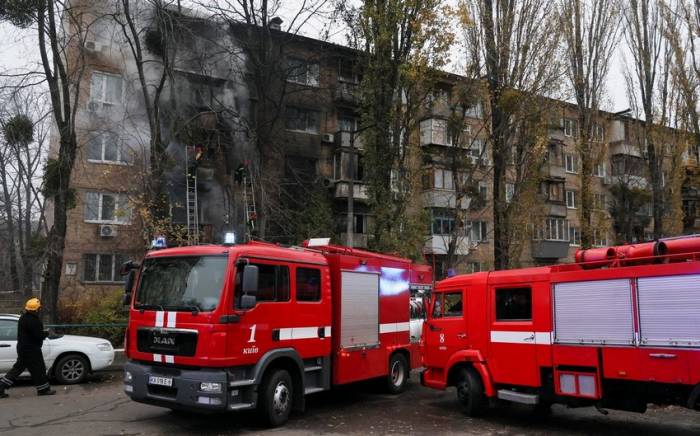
(514, 304)
(273, 283)
(308, 284)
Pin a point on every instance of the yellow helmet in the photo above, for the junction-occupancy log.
(33, 304)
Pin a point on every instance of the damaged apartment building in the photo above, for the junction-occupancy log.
(263, 138)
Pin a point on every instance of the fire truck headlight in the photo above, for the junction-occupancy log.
(210, 387)
(128, 377)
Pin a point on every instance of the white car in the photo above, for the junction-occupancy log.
(69, 359)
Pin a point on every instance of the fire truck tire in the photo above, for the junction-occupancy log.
(398, 374)
(276, 397)
(470, 392)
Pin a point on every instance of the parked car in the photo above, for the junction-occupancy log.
(69, 359)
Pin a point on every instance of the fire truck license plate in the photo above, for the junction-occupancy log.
(160, 381)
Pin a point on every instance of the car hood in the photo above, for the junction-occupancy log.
(73, 339)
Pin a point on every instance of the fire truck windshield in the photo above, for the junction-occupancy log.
(187, 283)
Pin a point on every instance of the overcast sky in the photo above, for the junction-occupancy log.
(18, 53)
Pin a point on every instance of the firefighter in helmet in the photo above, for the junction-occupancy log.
(30, 337)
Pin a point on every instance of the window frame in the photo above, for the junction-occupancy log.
(102, 99)
(570, 194)
(441, 297)
(115, 268)
(277, 265)
(307, 65)
(117, 197)
(498, 290)
(296, 284)
(306, 113)
(574, 163)
(121, 159)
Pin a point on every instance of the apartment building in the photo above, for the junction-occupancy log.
(299, 138)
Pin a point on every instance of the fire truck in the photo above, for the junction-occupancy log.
(258, 325)
(618, 329)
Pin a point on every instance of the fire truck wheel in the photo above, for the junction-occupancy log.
(275, 402)
(470, 392)
(398, 374)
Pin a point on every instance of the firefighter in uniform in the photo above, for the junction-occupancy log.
(30, 337)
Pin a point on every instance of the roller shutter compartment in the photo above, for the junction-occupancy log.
(359, 310)
(669, 310)
(593, 312)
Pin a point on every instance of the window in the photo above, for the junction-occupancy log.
(600, 239)
(571, 199)
(308, 284)
(447, 304)
(273, 283)
(106, 147)
(554, 229)
(348, 122)
(553, 191)
(477, 231)
(107, 208)
(598, 133)
(475, 111)
(574, 236)
(303, 72)
(570, 127)
(102, 267)
(105, 88)
(8, 330)
(599, 170)
(474, 267)
(626, 165)
(476, 150)
(571, 162)
(514, 304)
(443, 223)
(441, 179)
(600, 201)
(510, 192)
(303, 120)
(347, 71)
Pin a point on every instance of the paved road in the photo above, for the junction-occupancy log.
(100, 408)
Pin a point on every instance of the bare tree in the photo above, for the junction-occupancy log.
(644, 33)
(591, 32)
(513, 45)
(62, 68)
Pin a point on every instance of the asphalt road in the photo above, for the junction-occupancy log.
(101, 408)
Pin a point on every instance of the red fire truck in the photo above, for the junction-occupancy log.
(258, 325)
(618, 329)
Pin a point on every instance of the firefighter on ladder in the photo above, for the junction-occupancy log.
(30, 337)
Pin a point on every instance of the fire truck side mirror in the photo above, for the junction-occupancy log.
(128, 286)
(250, 280)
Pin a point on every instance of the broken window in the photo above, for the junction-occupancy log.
(302, 120)
(303, 72)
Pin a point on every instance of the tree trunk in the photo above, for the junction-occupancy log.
(14, 277)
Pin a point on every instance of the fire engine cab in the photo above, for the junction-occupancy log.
(618, 329)
(257, 325)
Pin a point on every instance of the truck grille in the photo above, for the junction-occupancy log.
(172, 342)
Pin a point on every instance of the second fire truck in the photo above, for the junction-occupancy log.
(258, 325)
(619, 329)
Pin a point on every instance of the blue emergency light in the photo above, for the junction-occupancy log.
(158, 242)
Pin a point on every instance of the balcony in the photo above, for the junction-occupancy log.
(557, 171)
(433, 131)
(550, 249)
(347, 93)
(438, 244)
(343, 138)
(444, 198)
(558, 210)
(359, 192)
(624, 148)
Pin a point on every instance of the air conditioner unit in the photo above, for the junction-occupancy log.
(108, 231)
(91, 46)
(328, 137)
